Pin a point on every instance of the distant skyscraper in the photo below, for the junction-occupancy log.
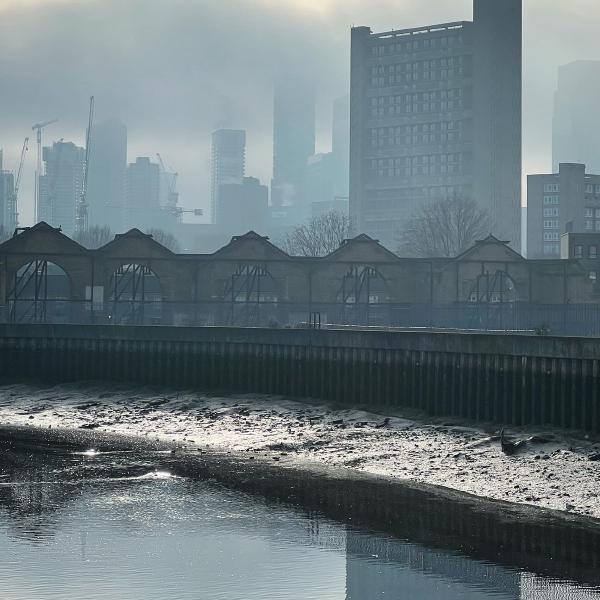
(436, 113)
(227, 164)
(576, 122)
(7, 188)
(142, 198)
(243, 207)
(319, 178)
(293, 137)
(60, 186)
(340, 146)
(106, 178)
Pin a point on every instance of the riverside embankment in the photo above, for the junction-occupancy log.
(507, 379)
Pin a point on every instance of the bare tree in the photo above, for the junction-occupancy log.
(444, 227)
(94, 237)
(319, 237)
(165, 238)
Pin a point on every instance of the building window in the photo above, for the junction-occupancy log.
(551, 212)
(550, 224)
(551, 236)
(551, 199)
(589, 225)
(589, 213)
(551, 187)
(589, 189)
(593, 252)
(593, 275)
(551, 249)
(597, 225)
(578, 251)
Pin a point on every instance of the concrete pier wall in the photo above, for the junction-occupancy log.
(508, 379)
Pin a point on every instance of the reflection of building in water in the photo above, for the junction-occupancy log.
(378, 567)
(537, 588)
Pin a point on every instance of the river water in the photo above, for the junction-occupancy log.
(80, 524)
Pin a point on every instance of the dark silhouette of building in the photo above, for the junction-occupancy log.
(227, 164)
(61, 185)
(340, 146)
(436, 113)
(7, 189)
(242, 206)
(106, 177)
(142, 205)
(577, 115)
(293, 137)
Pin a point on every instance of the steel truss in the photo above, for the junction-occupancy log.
(355, 294)
(246, 290)
(130, 294)
(29, 295)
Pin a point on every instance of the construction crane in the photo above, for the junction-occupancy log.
(38, 168)
(172, 196)
(81, 217)
(171, 206)
(13, 206)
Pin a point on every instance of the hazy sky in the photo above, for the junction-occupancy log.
(173, 70)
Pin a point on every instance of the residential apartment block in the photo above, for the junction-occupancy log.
(436, 113)
(567, 201)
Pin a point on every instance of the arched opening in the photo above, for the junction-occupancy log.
(492, 302)
(493, 288)
(361, 295)
(252, 295)
(135, 296)
(40, 293)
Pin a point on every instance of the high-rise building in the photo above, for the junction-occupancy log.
(142, 195)
(61, 185)
(106, 177)
(7, 190)
(340, 146)
(436, 113)
(319, 178)
(566, 201)
(577, 115)
(243, 207)
(227, 163)
(293, 137)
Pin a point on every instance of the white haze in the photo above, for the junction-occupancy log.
(173, 70)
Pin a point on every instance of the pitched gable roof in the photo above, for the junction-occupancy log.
(41, 238)
(490, 248)
(250, 246)
(128, 241)
(363, 248)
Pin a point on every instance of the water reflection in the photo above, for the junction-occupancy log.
(78, 524)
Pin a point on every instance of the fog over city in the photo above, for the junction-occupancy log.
(173, 71)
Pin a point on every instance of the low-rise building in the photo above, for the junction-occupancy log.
(567, 201)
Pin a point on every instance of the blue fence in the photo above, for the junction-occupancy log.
(552, 319)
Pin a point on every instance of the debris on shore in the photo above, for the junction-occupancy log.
(542, 468)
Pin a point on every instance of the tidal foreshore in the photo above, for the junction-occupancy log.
(548, 469)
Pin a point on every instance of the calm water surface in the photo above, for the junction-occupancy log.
(87, 526)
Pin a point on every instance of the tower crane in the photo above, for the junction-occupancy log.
(13, 207)
(173, 197)
(38, 168)
(81, 216)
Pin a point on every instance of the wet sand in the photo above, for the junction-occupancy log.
(552, 470)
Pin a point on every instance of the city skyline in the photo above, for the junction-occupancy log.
(323, 28)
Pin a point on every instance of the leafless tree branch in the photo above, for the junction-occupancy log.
(444, 227)
(319, 237)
